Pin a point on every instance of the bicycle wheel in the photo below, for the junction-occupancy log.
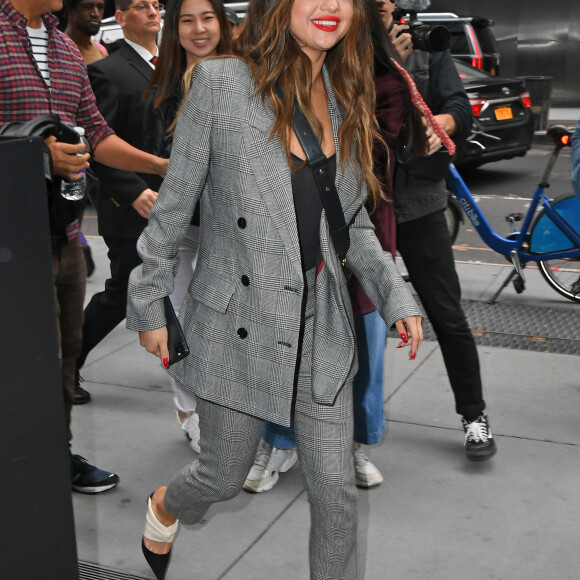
(563, 275)
(453, 216)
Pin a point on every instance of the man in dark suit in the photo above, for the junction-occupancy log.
(124, 198)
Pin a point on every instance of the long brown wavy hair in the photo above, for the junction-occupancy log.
(275, 59)
(172, 61)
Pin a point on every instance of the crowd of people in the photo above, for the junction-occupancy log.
(206, 193)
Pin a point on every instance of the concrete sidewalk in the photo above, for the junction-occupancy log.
(436, 516)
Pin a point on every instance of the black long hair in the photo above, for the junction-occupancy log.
(172, 61)
(384, 53)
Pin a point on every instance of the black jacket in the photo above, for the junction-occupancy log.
(419, 189)
(119, 82)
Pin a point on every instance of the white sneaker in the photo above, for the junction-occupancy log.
(190, 428)
(268, 464)
(367, 475)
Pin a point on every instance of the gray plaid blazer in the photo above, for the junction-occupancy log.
(243, 310)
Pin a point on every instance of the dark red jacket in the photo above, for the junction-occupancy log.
(392, 99)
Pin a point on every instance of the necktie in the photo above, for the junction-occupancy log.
(425, 110)
(153, 61)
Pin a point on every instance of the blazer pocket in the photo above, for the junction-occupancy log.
(210, 290)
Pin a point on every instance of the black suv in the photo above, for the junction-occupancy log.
(472, 40)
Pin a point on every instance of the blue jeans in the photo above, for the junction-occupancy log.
(369, 413)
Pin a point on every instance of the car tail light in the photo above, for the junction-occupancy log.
(477, 59)
(526, 99)
(477, 105)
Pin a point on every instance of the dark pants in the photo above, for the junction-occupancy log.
(425, 246)
(69, 271)
(108, 308)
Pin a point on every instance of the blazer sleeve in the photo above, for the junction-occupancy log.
(172, 212)
(377, 273)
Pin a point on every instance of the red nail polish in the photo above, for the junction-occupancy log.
(413, 356)
(401, 346)
(166, 363)
(404, 336)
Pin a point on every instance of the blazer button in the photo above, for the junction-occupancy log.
(242, 333)
(242, 223)
(245, 280)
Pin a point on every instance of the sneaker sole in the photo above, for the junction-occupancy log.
(481, 455)
(260, 486)
(93, 490)
(82, 400)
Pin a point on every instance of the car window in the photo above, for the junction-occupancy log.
(486, 40)
(459, 43)
(470, 74)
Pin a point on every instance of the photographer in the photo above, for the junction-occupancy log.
(420, 199)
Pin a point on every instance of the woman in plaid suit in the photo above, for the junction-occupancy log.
(264, 344)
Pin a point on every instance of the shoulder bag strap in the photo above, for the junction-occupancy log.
(323, 178)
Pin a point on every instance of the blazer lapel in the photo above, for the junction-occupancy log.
(270, 167)
(345, 182)
(136, 61)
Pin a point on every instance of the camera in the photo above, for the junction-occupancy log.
(430, 38)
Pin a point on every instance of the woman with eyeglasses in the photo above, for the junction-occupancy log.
(267, 314)
(193, 31)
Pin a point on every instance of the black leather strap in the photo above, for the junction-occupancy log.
(326, 188)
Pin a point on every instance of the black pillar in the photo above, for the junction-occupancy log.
(37, 538)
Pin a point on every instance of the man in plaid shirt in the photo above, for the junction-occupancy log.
(42, 71)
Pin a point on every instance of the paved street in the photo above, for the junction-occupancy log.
(436, 516)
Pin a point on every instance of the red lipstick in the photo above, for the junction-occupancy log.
(326, 23)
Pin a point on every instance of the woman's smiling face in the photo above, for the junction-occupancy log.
(318, 25)
(199, 30)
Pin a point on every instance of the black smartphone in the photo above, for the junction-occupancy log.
(66, 134)
(176, 341)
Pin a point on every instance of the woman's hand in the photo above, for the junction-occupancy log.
(433, 141)
(155, 341)
(410, 330)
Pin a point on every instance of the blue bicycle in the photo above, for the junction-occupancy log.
(549, 236)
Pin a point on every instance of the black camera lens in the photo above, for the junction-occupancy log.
(431, 38)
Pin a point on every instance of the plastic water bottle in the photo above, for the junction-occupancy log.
(75, 190)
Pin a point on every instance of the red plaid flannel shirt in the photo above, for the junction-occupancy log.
(23, 93)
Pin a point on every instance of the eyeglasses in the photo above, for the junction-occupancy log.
(146, 6)
(90, 6)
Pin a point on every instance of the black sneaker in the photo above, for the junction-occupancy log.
(88, 259)
(87, 478)
(82, 396)
(479, 443)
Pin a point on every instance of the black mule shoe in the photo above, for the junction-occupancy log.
(157, 562)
